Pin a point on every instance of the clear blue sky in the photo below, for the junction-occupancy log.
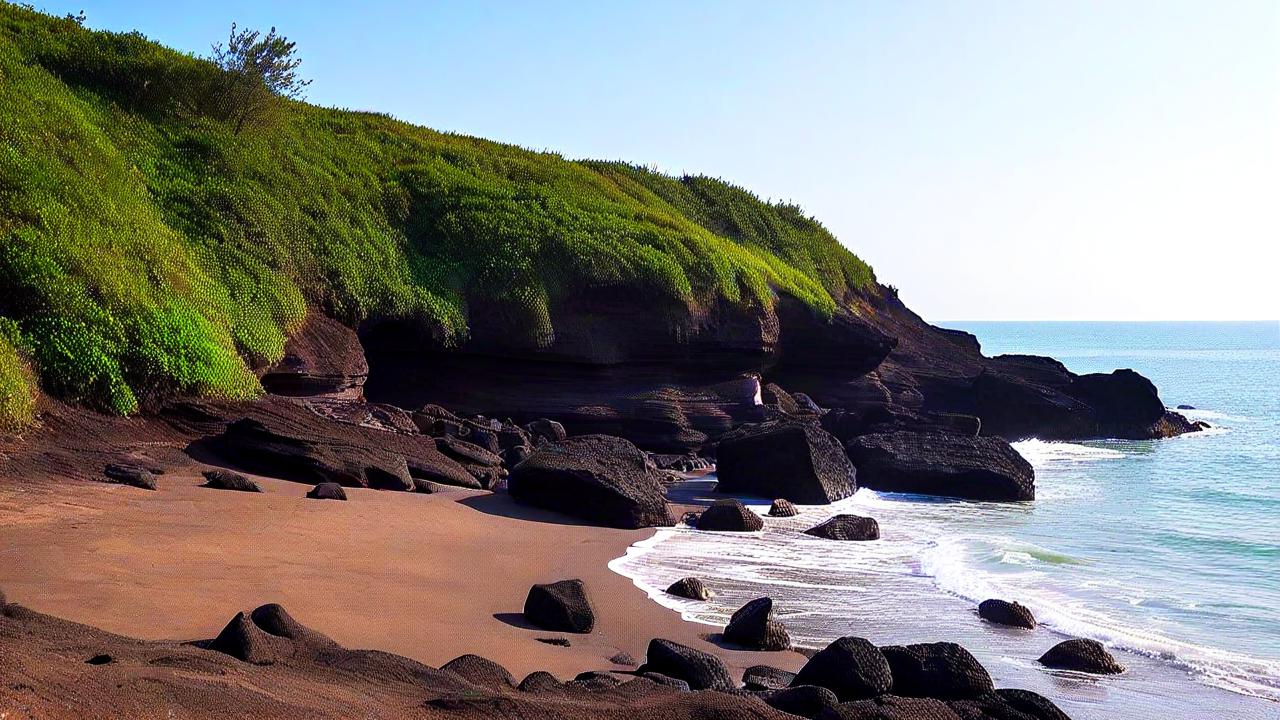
(994, 160)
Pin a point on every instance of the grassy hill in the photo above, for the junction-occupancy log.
(147, 249)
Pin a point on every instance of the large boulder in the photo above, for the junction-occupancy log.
(851, 667)
(703, 671)
(847, 527)
(945, 464)
(599, 478)
(691, 588)
(1003, 612)
(729, 516)
(1081, 655)
(132, 475)
(561, 606)
(792, 459)
(754, 626)
(940, 670)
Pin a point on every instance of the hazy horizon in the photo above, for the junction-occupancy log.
(1115, 161)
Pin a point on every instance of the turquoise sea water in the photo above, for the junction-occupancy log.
(1168, 551)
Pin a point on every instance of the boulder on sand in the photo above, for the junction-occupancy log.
(754, 626)
(847, 527)
(703, 671)
(945, 464)
(940, 670)
(602, 479)
(327, 491)
(793, 459)
(729, 516)
(851, 667)
(1002, 612)
(131, 475)
(1081, 655)
(560, 606)
(227, 480)
(692, 588)
(782, 508)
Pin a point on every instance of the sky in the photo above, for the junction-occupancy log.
(1109, 160)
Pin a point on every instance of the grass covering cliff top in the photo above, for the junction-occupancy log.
(149, 249)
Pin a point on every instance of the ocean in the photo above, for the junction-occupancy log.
(1167, 551)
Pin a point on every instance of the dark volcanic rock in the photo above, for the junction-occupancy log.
(480, 671)
(227, 480)
(754, 626)
(1186, 407)
(323, 358)
(729, 516)
(692, 588)
(130, 475)
(539, 681)
(701, 670)
(1033, 704)
(847, 527)
(602, 479)
(766, 677)
(793, 459)
(561, 606)
(891, 707)
(1007, 705)
(851, 667)
(327, 491)
(467, 453)
(984, 468)
(807, 701)
(940, 670)
(661, 679)
(1082, 655)
(782, 508)
(245, 641)
(1003, 612)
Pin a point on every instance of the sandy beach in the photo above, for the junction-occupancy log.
(430, 577)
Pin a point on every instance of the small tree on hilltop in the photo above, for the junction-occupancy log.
(257, 69)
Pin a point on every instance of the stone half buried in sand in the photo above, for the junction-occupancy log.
(847, 527)
(227, 480)
(754, 626)
(703, 671)
(602, 479)
(561, 606)
(267, 635)
(1081, 655)
(729, 516)
(851, 667)
(327, 491)
(943, 464)
(788, 458)
(1003, 612)
(782, 508)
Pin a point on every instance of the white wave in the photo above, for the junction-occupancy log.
(1042, 452)
(1208, 415)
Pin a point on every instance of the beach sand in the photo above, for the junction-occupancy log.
(430, 577)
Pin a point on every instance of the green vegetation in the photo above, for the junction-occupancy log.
(148, 249)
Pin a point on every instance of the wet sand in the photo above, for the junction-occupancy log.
(430, 577)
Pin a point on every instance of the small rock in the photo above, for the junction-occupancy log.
(1186, 407)
(102, 659)
(327, 491)
(131, 475)
(1082, 655)
(1002, 612)
(729, 516)
(766, 677)
(561, 606)
(782, 508)
(754, 626)
(539, 681)
(847, 527)
(227, 480)
(557, 641)
(692, 588)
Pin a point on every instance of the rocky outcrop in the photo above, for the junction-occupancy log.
(691, 588)
(480, 671)
(1081, 655)
(851, 667)
(228, 480)
(605, 480)
(1003, 612)
(796, 460)
(938, 670)
(703, 671)
(561, 606)
(983, 468)
(847, 527)
(754, 626)
(323, 358)
(729, 516)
